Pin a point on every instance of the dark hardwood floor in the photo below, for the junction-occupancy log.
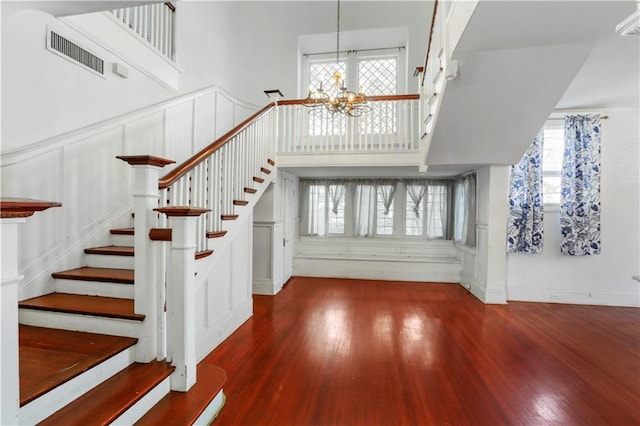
(352, 352)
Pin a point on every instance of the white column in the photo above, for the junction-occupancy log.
(148, 300)
(10, 390)
(181, 306)
(492, 195)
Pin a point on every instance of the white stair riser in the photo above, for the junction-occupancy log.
(76, 322)
(42, 407)
(109, 261)
(212, 410)
(140, 408)
(95, 288)
(122, 240)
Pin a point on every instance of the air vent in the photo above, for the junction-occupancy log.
(73, 52)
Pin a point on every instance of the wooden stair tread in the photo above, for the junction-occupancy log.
(106, 402)
(122, 231)
(216, 234)
(109, 307)
(112, 275)
(50, 357)
(203, 254)
(184, 408)
(250, 190)
(111, 250)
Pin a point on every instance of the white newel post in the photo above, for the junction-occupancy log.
(147, 300)
(13, 212)
(181, 281)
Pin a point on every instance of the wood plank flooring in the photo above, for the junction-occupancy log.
(358, 352)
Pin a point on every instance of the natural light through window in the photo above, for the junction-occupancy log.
(552, 152)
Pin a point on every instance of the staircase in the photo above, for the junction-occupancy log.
(94, 376)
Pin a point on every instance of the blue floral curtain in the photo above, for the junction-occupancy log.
(580, 190)
(524, 224)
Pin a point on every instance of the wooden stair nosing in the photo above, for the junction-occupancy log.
(122, 231)
(106, 402)
(258, 179)
(107, 307)
(240, 202)
(184, 408)
(265, 170)
(271, 162)
(216, 234)
(51, 357)
(111, 250)
(250, 190)
(86, 273)
(203, 254)
(229, 216)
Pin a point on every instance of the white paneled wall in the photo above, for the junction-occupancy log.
(223, 294)
(80, 170)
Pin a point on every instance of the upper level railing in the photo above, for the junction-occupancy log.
(391, 124)
(153, 22)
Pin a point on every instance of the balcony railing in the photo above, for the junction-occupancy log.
(392, 124)
(152, 22)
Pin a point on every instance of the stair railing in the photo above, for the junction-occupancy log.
(433, 78)
(219, 176)
(152, 22)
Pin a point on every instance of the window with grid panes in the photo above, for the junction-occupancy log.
(321, 122)
(552, 153)
(378, 77)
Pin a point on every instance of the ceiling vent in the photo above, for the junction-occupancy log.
(631, 26)
(71, 51)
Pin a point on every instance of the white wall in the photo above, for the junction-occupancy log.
(253, 46)
(44, 95)
(606, 278)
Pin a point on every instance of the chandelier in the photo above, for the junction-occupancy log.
(344, 101)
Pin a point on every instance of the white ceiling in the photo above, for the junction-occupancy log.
(609, 78)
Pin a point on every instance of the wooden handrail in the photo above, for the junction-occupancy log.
(23, 207)
(433, 24)
(407, 97)
(192, 162)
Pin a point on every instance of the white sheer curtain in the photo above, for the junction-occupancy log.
(435, 201)
(460, 211)
(313, 214)
(465, 211)
(416, 193)
(336, 193)
(364, 200)
(386, 190)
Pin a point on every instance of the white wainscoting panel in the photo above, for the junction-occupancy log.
(80, 170)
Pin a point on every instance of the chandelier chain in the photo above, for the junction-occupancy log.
(338, 36)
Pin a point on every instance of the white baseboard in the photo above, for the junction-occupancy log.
(574, 297)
